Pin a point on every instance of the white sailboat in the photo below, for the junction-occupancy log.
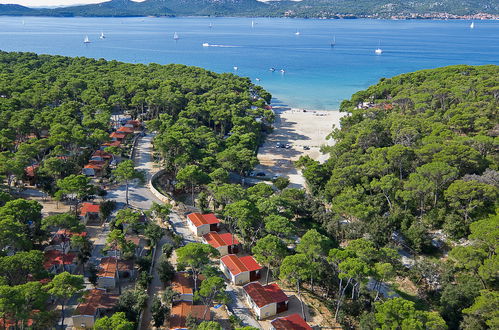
(86, 40)
(472, 25)
(297, 33)
(378, 50)
(252, 24)
(210, 26)
(333, 43)
(175, 36)
(235, 68)
(102, 36)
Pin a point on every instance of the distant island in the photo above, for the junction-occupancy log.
(327, 9)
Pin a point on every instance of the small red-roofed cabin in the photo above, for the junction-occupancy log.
(202, 224)
(183, 284)
(110, 144)
(62, 240)
(183, 310)
(265, 300)
(97, 303)
(57, 262)
(89, 212)
(101, 156)
(95, 168)
(290, 322)
(240, 270)
(133, 123)
(106, 276)
(125, 130)
(225, 243)
(117, 136)
(30, 173)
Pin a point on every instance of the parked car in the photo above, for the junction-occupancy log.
(260, 174)
(288, 146)
(306, 147)
(278, 145)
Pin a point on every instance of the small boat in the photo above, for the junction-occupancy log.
(205, 44)
(283, 71)
(333, 43)
(235, 68)
(102, 36)
(297, 33)
(272, 69)
(472, 25)
(175, 36)
(378, 51)
(210, 26)
(252, 24)
(86, 40)
(257, 79)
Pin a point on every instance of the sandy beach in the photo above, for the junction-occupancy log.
(299, 128)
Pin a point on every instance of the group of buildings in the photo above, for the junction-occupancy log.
(265, 301)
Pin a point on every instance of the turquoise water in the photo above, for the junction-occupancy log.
(317, 76)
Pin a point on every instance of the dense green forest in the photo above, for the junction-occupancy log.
(415, 164)
(306, 8)
(55, 111)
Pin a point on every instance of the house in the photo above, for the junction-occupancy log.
(117, 136)
(110, 144)
(202, 224)
(89, 212)
(240, 270)
(30, 173)
(94, 168)
(225, 243)
(290, 322)
(97, 303)
(62, 240)
(133, 123)
(182, 310)
(125, 130)
(140, 244)
(183, 284)
(101, 156)
(265, 300)
(57, 261)
(106, 276)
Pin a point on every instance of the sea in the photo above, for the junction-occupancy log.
(315, 74)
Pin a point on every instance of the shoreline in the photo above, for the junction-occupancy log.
(300, 129)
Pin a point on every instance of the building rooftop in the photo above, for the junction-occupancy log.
(217, 240)
(103, 154)
(117, 135)
(96, 299)
(181, 311)
(89, 208)
(264, 295)
(111, 144)
(199, 219)
(56, 257)
(31, 170)
(290, 322)
(126, 130)
(107, 267)
(238, 265)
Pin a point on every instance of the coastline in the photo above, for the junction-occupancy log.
(299, 128)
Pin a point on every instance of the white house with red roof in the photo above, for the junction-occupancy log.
(225, 243)
(240, 270)
(97, 303)
(202, 224)
(89, 212)
(290, 322)
(265, 300)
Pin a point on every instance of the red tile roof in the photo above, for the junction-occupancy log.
(31, 170)
(290, 322)
(94, 300)
(94, 166)
(182, 283)
(217, 240)
(117, 135)
(264, 295)
(107, 267)
(181, 311)
(56, 257)
(124, 129)
(112, 144)
(199, 219)
(68, 232)
(103, 154)
(237, 265)
(89, 208)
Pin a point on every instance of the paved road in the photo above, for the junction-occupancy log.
(239, 307)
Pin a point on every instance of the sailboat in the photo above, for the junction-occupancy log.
(378, 50)
(297, 33)
(333, 43)
(175, 36)
(252, 24)
(86, 40)
(210, 26)
(102, 36)
(472, 25)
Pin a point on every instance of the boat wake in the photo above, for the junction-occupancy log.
(222, 46)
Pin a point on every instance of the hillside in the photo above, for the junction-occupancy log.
(305, 8)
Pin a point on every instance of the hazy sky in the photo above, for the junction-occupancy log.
(39, 3)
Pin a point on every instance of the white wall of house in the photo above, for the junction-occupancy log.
(83, 321)
(224, 250)
(106, 282)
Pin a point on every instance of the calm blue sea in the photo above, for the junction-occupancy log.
(316, 75)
